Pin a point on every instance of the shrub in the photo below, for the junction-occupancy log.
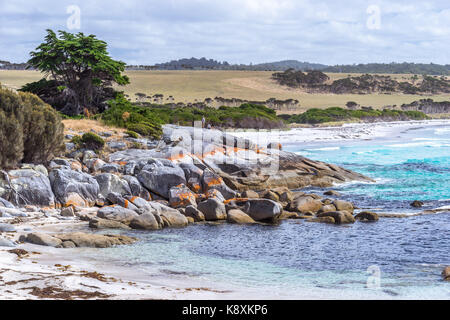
(92, 141)
(30, 130)
(132, 134)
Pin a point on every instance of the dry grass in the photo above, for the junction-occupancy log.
(189, 86)
(85, 125)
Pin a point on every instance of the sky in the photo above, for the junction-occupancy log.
(238, 31)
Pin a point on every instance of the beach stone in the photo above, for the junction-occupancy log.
(284, 194)
(332, 193)
(169, 217)
(326, 219)
(68, 244)
(6, 227)
(250, 194)
(41, 239)
(367, 216)
(181, 196)
(74, 188)
(340, 217)
(145, 221)
(81, 239)
(446, 273)
(9, 212)
(304, 204)
(67, 212)
(161, 179)
(343, 205)
(115, 198)
(270, 195)
(26, 186)
(110, 183)
(6, 243)
(212, 209)
(211, 180)
(98, 223)
(136, 187)
(327, 208)
(193, 176)
(239, 217)
(416, 204)
(194, 213)
(6, 204)
(263, 209)
(117, 213)
(214, 194)
(288, 215)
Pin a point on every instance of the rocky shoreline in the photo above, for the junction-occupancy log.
(190, 176)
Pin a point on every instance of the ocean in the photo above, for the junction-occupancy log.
(394, 258)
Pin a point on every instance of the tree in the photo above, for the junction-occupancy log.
(81, 66)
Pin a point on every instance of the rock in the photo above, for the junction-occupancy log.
(9, 212)
(115, 198)
(340, 217)
(81, 239)
(367, 216)
(238, 216)
(110, 183)
(6, 227)
(193, 176)
(288, 215)
(214, 194)
(304, 204)
(6, 204)
(118, 145)
(136, 188)
(193, 212)
(88, 155)
(343, 205)
(212, 209)
(284, 194)
(117, 213)
(41, 239)
(263, 209)
(161, 179)
(26, 186)
(327, 208)
(268, 194)
(181, 196)
(110, 168)
(6, 243)
(416, 204)
(95, 164)
(250, 194)
(67, 212)
(58, 162)
(68, 244)
(332, 193)
(74, 188)
(145, 221)
(326, 219)
(210, 180)
(170, 217)
(98, 223)
(446, 273)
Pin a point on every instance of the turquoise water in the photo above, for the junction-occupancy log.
(300, 259)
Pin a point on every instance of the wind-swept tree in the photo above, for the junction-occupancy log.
(82, 70)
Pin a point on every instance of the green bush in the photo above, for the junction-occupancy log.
(92, 141)
(132, 134)
(30, 130)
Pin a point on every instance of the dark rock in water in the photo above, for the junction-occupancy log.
(239, 217)
(161, 179)
(416, 204)
(304, 204)
(26, 186)
(326, 219)
(74, 188)
(343, 205)
(332, 193)
(263, 209)
(446, 273)
(109, 182)
(340, 217)
(367, 216)
(212, 209)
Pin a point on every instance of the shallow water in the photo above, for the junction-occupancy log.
(321, 260)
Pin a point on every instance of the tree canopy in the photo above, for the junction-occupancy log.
(81, 66)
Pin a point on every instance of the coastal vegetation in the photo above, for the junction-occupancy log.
(30, 130)
(334, 114)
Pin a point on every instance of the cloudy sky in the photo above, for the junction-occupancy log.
(239, 31)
